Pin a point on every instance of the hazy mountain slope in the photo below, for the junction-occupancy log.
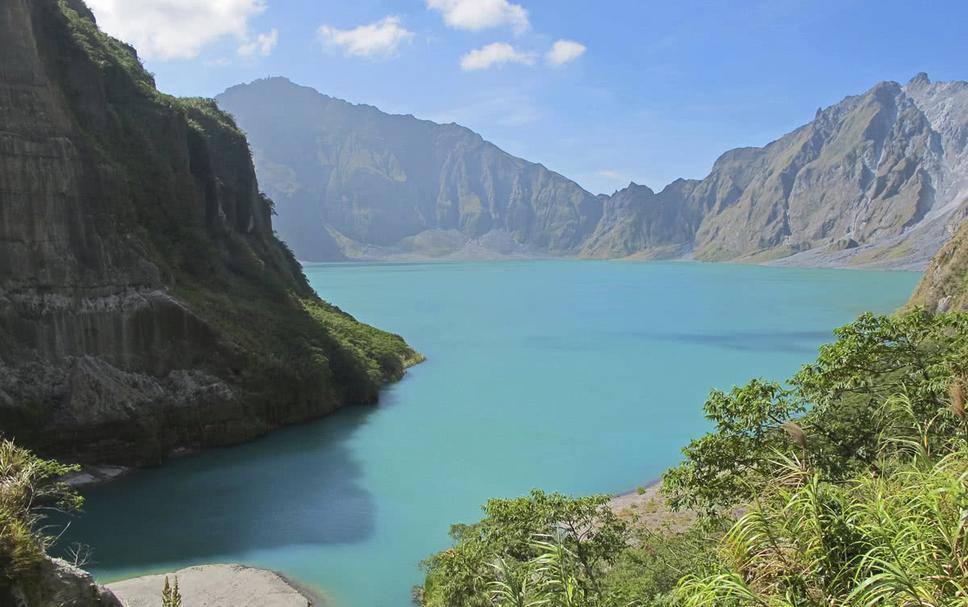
(379, 179)
(872, 181)
(145, 304)
(637, 221)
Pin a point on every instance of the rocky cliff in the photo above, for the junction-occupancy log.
(944, 286)
(145, 304)
(875, 180)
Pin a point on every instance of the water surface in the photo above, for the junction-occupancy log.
(576, 376)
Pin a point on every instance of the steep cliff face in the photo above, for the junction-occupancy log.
(637, 221)
(145, 304)
(875, 180)
(944, 287)
(398, 184)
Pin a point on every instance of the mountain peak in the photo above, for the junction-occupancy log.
(919, 80)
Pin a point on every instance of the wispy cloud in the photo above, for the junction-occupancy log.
(498, 53)
(564, 51)
(381, 38)
(477, 15)
(263, 44)
(178, 29)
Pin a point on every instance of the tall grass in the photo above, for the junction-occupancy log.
(30, 489)
(897, 536)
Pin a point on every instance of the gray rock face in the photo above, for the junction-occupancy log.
(944, 286)
(875, 180)
(145, 304)
(60, 584)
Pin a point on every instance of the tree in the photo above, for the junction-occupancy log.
(720, 466)
(509, 545)
(833, 412)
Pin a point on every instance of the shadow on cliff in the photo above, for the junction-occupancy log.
(299, 485)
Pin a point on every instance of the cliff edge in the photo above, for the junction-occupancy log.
(145, 303)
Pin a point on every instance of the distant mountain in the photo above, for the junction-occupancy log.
(385, 184)
(874, 180)
(877, 180)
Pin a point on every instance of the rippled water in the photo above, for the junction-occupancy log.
(576, 376)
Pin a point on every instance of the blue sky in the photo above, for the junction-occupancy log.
(659, 91)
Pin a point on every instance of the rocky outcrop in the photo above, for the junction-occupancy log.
(350, 178)
(944, 286)
(876, 180)
(217, 586)
(145, 304)
(59, 584)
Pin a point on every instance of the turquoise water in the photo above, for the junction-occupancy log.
(576, 376)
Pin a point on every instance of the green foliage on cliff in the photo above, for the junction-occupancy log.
(850, 485)
(182, 204)
(30, 488)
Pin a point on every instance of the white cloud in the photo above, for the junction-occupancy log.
(176, 29)
(481, 14)
(564, 51)
(262, 45)
(382, 37)
(497, 53)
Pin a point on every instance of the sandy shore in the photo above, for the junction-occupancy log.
(647, 507)
(218, 586)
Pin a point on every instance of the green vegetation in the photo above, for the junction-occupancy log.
(170, 595)
(30, 489)
(846, 486)
(525, 548)
(893, 539)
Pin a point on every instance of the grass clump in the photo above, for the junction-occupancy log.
(31, 488)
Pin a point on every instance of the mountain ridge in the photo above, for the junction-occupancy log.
(872, 181)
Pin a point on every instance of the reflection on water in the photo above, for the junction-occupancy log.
(299, 485)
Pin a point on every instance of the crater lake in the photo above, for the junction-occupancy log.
(573, 376)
